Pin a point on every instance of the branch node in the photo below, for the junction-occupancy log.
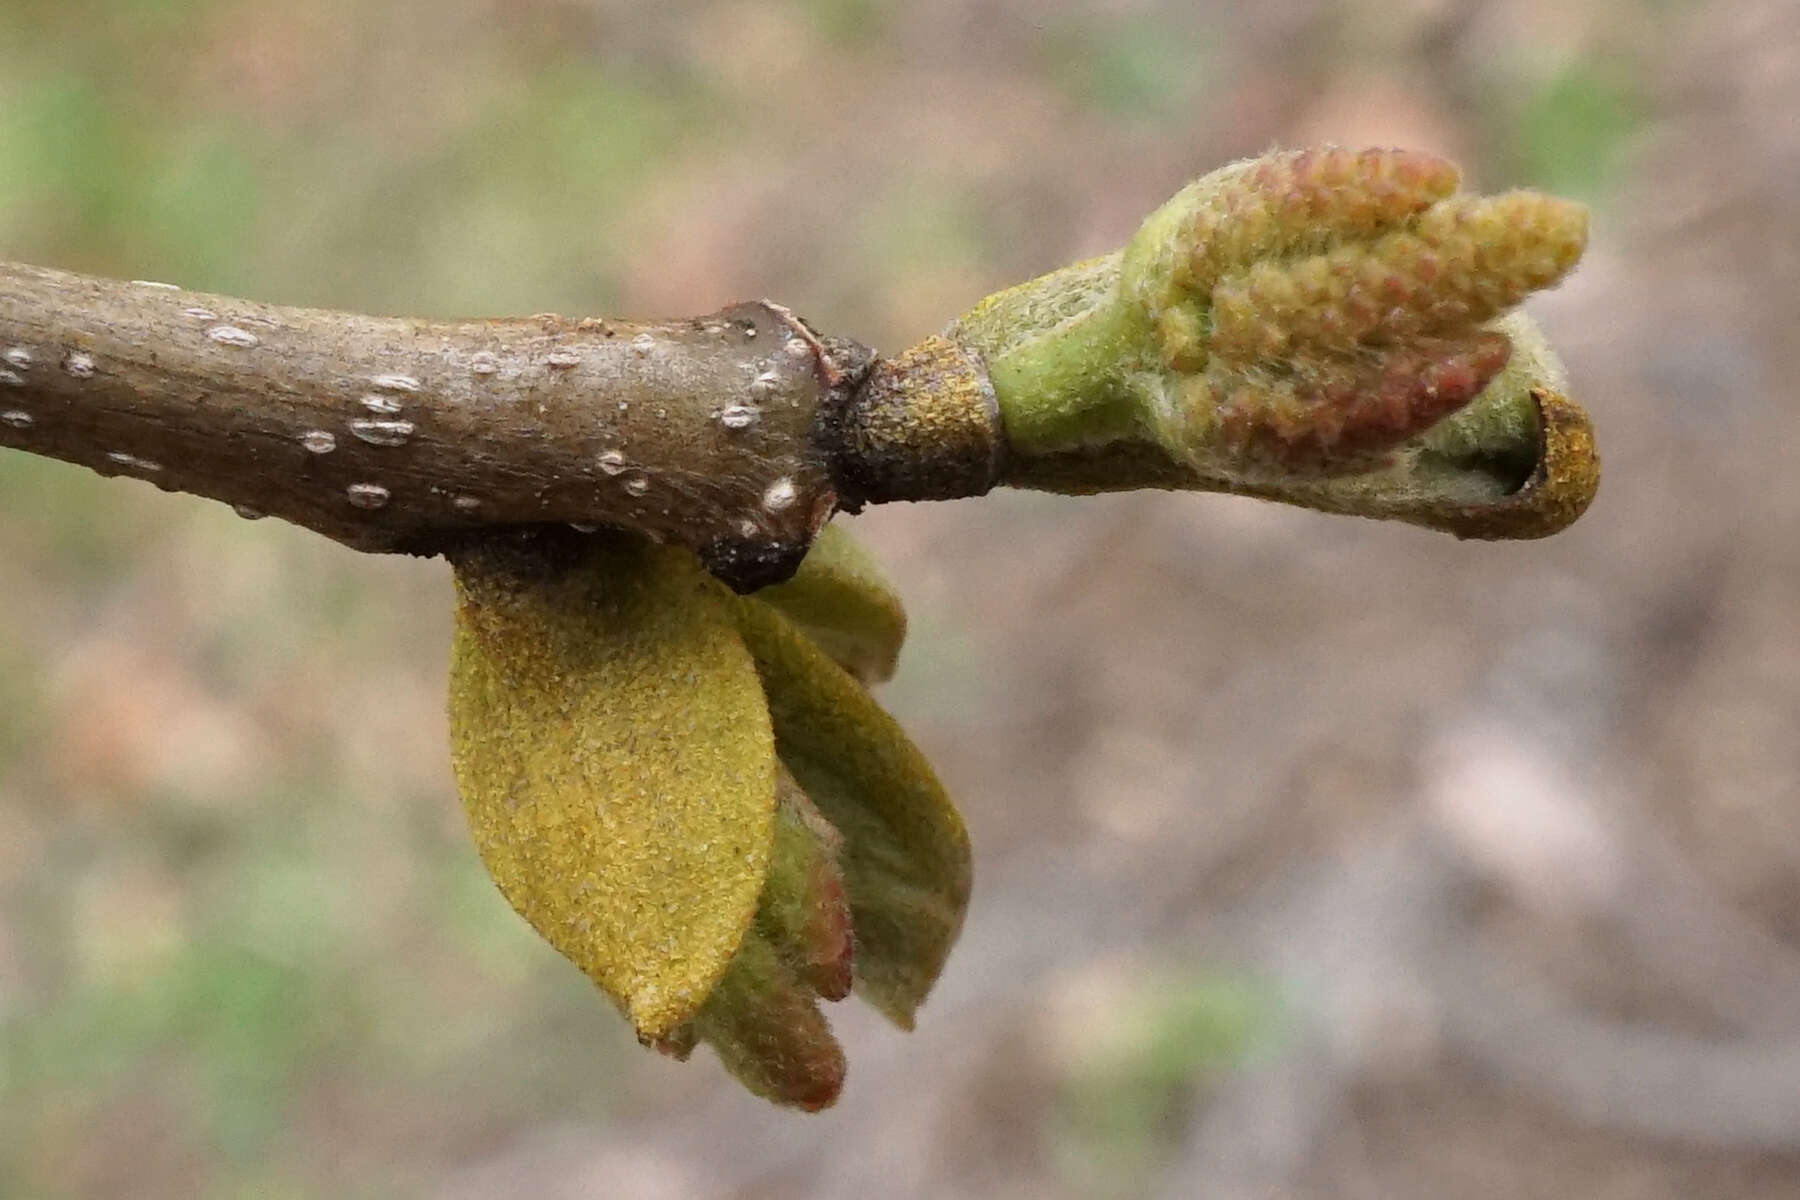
(924, 426)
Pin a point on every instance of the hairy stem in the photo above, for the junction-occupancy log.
(1062, 390)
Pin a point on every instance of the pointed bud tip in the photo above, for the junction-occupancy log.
(678, 1044)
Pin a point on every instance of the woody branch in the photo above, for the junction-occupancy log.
(726, 433)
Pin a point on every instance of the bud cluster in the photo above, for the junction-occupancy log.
(1317, 308)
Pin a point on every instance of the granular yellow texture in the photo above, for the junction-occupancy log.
(617, 763)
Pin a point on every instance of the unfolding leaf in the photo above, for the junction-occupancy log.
(766, 1026)
(805, 909)
(841, 599)
(763, 1019)
(616, 760)
(906, 855)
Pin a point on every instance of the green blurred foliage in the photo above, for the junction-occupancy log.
(76, 532)
(570, 147)
(1573, 133)
(1132, 1095)
(847, 22)
(20, 689)
(1143, 67)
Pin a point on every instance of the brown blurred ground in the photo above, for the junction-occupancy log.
(1317, 858)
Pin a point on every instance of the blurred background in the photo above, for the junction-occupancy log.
(1316, 857)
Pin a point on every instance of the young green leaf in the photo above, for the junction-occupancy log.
(842, 601)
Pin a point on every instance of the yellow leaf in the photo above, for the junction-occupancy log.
(843, 602)
(905, 856)
(616, 760)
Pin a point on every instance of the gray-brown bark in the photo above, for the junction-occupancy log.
(391, 434)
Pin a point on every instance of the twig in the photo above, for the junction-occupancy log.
(404, 435)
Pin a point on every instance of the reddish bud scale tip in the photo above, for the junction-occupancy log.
(805, 910)
(1307, 198)
(1338, 414)
(831, 947)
